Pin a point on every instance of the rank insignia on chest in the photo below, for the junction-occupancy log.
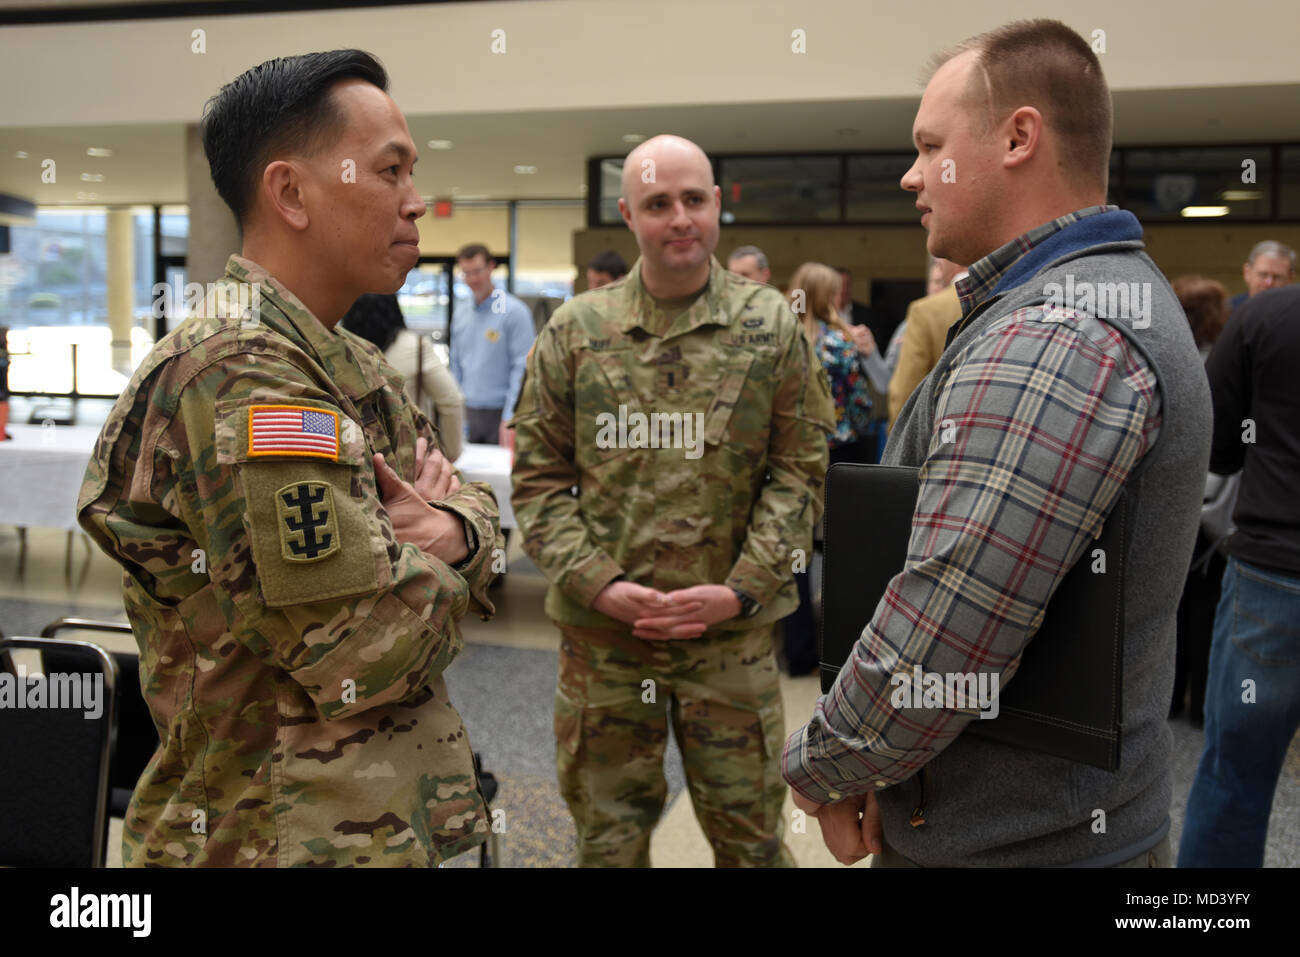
(308, 529)
(292, 430)
(492, 335)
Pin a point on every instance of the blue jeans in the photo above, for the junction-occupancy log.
(1252, 710)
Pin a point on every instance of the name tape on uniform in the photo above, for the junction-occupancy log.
(293, 430)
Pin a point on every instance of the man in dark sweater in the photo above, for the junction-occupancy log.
(1252, 702)
(1071, 375)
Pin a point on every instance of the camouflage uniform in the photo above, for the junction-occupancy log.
(661, 518)
(296, 681)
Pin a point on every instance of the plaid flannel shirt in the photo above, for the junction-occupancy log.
(973, 591)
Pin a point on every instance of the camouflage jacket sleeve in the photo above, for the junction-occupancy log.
(555, 533)
(790, 502)
(324, 591)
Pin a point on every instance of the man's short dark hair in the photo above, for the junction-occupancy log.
(475, 249)
(280, 106)
(1046, 65)
(375, 318)
(610, 263)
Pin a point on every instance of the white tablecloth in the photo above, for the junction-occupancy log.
(491, 464)
(41, 470)
(42, 467)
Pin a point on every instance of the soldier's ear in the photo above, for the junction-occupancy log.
(283, 193)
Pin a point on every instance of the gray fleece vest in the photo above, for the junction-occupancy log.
(989, 804)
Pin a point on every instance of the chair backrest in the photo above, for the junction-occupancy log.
(137, 736)
(54, 752)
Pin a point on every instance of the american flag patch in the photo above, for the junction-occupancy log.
(293, 430)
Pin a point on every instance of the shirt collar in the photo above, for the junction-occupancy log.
(285, 314)
(983, 276)
(639, 306)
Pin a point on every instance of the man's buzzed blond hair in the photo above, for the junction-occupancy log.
(1046, 65)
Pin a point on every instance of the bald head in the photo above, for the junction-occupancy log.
(661, 150)
(672, 205)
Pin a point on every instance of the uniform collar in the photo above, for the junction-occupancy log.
(639, 306)
(289, 317)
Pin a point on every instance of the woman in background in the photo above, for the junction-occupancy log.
(1206, 304)
(814, 290)
(429, 384)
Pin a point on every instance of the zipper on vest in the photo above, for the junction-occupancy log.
(918, 815)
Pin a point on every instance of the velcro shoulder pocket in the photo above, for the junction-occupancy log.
(309, 506)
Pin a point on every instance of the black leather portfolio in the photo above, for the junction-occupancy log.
(1065, 697)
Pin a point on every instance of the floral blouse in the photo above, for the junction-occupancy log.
(848, 386)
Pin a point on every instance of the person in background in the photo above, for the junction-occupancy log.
(490, 339)
(1206, 304)
(428, 383)
(1252, 703)
(1269, 265)
(814, 291)
(853, 313)
(605, 268)
(750, 262)
(922, 335)
(838, 347)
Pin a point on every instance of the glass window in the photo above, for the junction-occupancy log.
(425, 298)
(1288, 205)
(611, 185)
(1172, 183)
(175, 230)
(874, 191)
(54, 300)
(793, 189)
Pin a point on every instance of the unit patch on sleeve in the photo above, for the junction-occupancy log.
(308, 528)
(289, 430)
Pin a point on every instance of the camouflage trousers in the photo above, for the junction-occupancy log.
(615, 696)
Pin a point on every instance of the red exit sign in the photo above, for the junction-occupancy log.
(442, 209)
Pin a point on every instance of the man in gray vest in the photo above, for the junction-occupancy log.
(1071, 375)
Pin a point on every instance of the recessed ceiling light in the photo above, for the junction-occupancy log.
(92, 177)
(21, 154)
(1198, 212)
(633, 138)
(98, 151)
(439, 144)
(525, 170)
(1240, 195)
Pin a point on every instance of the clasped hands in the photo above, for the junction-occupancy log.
(850, 828)
(684, 613)
(435, 531)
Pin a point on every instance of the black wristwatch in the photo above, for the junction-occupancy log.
(748, 607)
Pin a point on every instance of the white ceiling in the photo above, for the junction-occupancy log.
(148, 165)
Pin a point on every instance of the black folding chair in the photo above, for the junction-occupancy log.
(55, 760)
(137, 737)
